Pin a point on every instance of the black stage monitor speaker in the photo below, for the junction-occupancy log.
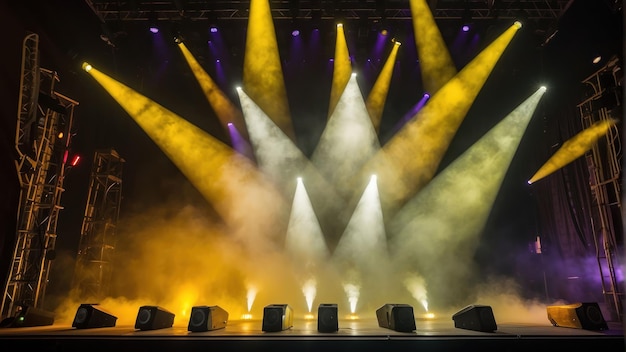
(398, 317)
(475, 317)
(327, 318)
(583, 315)
(91, 316)
(30, 316)
(205, 318)
(153, 317)
(277, 317)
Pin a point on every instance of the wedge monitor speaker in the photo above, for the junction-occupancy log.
(475, 317)
(582, 315)
(398, 317)
(90, 316)
(205, 318)
(327, 320)
(277, 317)
(28, 316)
(153, 318)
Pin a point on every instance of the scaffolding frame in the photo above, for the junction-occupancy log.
(96, 249)
(42, 141)
(605, 168)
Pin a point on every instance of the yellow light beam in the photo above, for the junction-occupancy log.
(226, 179)
(573, 148)
(262, 71)
(378, 95)
(436, 63)
(448, 216)
(411, 158)
(342, 69)
(225, 110)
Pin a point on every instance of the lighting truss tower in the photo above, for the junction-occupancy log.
(605, 169)
(42, 141)
(93, 270)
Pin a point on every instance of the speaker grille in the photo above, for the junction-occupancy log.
(198, 317)
(81, 315)
(144, 316)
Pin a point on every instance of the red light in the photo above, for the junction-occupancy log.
(75, 160)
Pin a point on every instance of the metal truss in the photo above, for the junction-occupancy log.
(537, 10)
(93, 271)
(44, 130)
(604, 161)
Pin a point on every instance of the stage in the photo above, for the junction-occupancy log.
(356, 335)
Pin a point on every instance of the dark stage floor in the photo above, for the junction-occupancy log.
(353, 335)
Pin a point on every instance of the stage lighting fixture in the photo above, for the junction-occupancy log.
(327, 320)
(152, 23)
(91, 316)
(277, 317)
(475, 317)
(205, 318)
(582, 315)
(28, 316)
(398, 317)
(153, 318)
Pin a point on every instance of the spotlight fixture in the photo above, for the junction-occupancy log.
(398, 317)
(466, 19)
(596, 59)
(152, 23)
(582, 315)
(91, 316)
(327, 318)
(475, 317)
(153, 318)
(86, 66)
(205, 318)
(277, 317)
